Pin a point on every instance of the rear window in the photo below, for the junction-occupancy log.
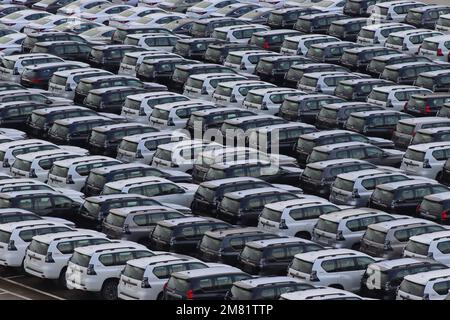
(302, 266)
(162, 232)
(241, 293)
(375, 235)
(327, 225)
(128, 146)
(251, 254)
(343, 184)
(405, 128)
(38, 247)
(80, 259)
(432, 207)
(22, 165)
(316, 156)
(314, 174)
(383, 196)
(178, 284)
(205, 193)
(210, 243)
(230, 204)
(133, 272)
(271, 215)
(368, 34)
(4, 236)
(428, 45)
(414, 155)
(59, 171)
(417, 248)
(412, 288)
(115, 220)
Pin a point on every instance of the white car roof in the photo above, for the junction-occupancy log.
(327, 253)
(427, 238)
(423, 277)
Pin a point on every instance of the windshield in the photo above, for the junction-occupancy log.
(80, 259)
(343, 184)
(412, 288)
(417, 248)
(133, 272)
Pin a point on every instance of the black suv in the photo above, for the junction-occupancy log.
(426, 105)
(304, 108)
(273, 39)
(437, 81)
(317, 22)
(296, 71)
(14, 114)
(335, 115)
(184, 234)
(318, 177)
(69, 50)
(243, 207)
(217, 53)
(358, 58)
(307, 142)
(426, 16)
(287, 17)
(194, 48)
(347, 29)
(160, 70)
(104, 140)
(109, 57)
(205, 27)
(274, 68)
(110, 99)
(403, 197)
(358, 89)
(378, 123)
(75, 131)
(120, 34)
(329, 52)
(407, 73)
(41, 202)
(272, 257)
(358, 8)
(29, 42)
(41, 120)
(436, 207)
(224, 246)
(377, 64)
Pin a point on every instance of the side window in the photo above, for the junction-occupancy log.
(329, 265)
(107, 259)
(223, 282)
(42, 203)
(238, 243)
(444, 247)
(442, 288)
(62, 202)
(369, 184)
(355, 225)
(345, 264)
(140, 220)
(402, 235)
(161, 272)
(363, 262)
(121, 258)
(373, 152)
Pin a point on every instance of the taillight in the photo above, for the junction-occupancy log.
(266, 44)
(444, 215)
(69, 179)
(439, 52)
(49, 258)
(189, 295)
(11, 246)
(427, 109)
(170, 122)
(355, 194)
(36, 81)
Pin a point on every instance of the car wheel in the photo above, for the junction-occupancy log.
(303, 235)
(439, 176)
(62, 278)
(160, 296)
(109, 289)
(356, 246)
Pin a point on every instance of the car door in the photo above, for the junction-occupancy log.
(348, 273)
(170, 192)
(43, 206)
(64, 207)
(374, 155)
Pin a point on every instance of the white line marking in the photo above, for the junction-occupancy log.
(14, 277)
(15, 294)
(33, 289)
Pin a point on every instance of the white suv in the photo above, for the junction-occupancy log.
(294, 217)
(158, 189)
(394, 96)
(72, 173)
(395, 11)
(246, 61)
(409, 41)
(233, 93)
(435, 245)
(324, 82)
(299, 45)
(268, 100)
(97, 268)
(321, 293)
(436, 48)
(15, 238)
(202, 86)
(378, 33)
(47, 255)
(426, 159)
(144, 279)
(430, 285)
(238, 33)
(337, 268)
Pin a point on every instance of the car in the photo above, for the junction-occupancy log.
(430, 135)
(177, 5)
(265, 288)
(395, 11)
(407, 73)
(434, 80)
(357, 59)
(6, 9)
(38, 76)
(11, 215)
(194, 48)
(287, 17)
(430, 285)
(427, 104)
(18, 235)
(11, 43)
(140, 148)
(127, 16)
(152, 41)
(442, 24)
(122, 32)
(426, 16)
(296, 71)
(205, 27)
(347, 29)
(325, 268)
(274, 68)
(403, 197)
(110, 99)
(344, 229)
(36, 165)
(258, 15)
(426, 159)
(217, 53)
(98, 34)
(235, 10)
(97, 268)
(435, 48)
(324, 82)
(271, 257)
(47, 23)
(20, 19)
(382, 279)
(159, 189)
(149, 283)
(98, 177)
(329, 52)
(75, 131)
(238, 207)
(377, 123)
(444, 111)
(108, 57)
(183, 234)
(12, 66)
(104, 140)
(203, 9)
(76, 26)
(47, 255)
(41, 120)
(377, 34)
(294, 217)
(159, 69)
(233, 93)
(394, 97)
(268, 101)
(14, 114)
(273, 39)
(238, 33)
(202, 86)
(409, 41)
(79, 6)
(305, 107)
(431, 245)
(318, 177)
(355, 188)
(358, 89)
(317, 22)
(186, 284)
(377, 64)
(69, 50)
(321, 293)
(407, 128)
(34, 96)
(246, 60)
(103, 12)
(158, 19)
(64, 83)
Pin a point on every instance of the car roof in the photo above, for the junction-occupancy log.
(276, 241)
(366, 173)
(306, 200)
(387, 225)
(406, 183)
(181, 144)
(330, 147)
(83, 159)
(348, 213)
(318, 292)
(108, 247)
(427, 238)
(222, 233)
(75, 234)
(9, 227)
(396, 87)
(327, 163)
(206, 272)
(266, 281)
(244, 193)
(111, 127)
(220, 182)
(150, 135)
(433, 130)
(325, 253)
(431, 145)
(43, 154)
(445, 37)
(442, 196)
(141, 180)
(395, 263)
(423, 120)
(371, 113)
(159, 259)
(69, 121)
(116, 196)
(423, 277)
(284, 126)
(141, 209)
(378, 26)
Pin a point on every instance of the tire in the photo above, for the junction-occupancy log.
(439, 176)
(160, 296)
(356, 246)
(62, 278)
(109, 289)
(303, 235)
